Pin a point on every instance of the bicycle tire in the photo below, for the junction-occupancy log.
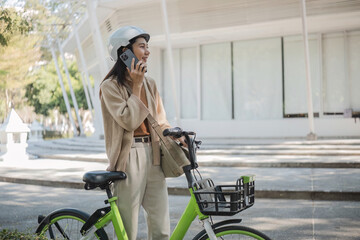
(235, 232)
(66, 224)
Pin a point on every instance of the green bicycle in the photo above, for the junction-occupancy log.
(206, 200)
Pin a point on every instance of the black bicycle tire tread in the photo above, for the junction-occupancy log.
(75, 213)
(84, 216)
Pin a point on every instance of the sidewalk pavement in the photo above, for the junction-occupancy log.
(289, 183)
(289, 176)
(279, 218)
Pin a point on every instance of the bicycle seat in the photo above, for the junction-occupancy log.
(101, 179)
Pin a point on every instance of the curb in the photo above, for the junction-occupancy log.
(40, 182)
(243, 153)
(76, 158)
(227, 164)
(272, 152)
(282, 164)
(178, 191)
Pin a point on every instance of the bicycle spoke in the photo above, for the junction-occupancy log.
(61, 231)
(51, 233)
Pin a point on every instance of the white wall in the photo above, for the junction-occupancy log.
(258, 96)
(234, 27)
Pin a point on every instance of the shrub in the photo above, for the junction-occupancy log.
(7, 234)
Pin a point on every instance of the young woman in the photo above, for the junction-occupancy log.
(127, 97)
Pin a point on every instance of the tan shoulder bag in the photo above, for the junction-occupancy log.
(173, 157)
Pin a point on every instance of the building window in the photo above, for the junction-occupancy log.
(188, 83)
(168, 92)
(335, 84)
(257, 79)
(295, 88)
(185, 64)
(216, 82)
(266, 78)
(353, 53)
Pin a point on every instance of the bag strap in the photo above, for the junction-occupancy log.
(155, 125)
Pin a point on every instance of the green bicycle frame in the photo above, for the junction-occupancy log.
(192, 210)
(115, 218)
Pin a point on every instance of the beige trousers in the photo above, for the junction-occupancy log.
(145, 186)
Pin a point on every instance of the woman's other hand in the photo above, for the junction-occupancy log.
(181, 141)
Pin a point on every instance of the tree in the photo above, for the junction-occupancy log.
(21, 34)
(19, 51)
(12, 22)
(45, 94)
(15, 62)
(24, 27)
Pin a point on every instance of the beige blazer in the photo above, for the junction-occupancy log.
(122, 114)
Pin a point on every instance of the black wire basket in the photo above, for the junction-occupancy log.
(224, 200)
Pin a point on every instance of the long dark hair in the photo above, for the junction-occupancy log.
(119, 70)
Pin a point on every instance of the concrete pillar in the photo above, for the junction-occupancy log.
(311, 135)
(90, 89)
(63, 90)
(84, 68)
(86, 90)
(101, 56)
(170, 59)
(73, 97)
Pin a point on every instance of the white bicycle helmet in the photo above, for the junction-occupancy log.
(122, 37)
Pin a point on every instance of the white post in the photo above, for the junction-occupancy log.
(170, 59)
(73, 97)
(347, 69)
(100, 53)
(91, 90)
(321, 75)
(311, 135)
(84, 68)
(96, 34)
(63, 90)
(198, 81)
(86, 92)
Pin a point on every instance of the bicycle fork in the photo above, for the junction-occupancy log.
(210, 232)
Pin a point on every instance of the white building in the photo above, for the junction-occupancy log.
(239, 64)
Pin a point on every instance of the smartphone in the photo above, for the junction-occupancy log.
(127, 57)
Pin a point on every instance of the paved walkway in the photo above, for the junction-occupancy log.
(280, 219)
(324, 170)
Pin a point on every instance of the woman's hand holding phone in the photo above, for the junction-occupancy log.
(137, 75)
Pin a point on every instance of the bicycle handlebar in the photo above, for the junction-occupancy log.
(173, 132)
(192, 145)
(176, 132)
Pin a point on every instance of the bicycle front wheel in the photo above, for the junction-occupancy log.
(66, 224)
(236, 232)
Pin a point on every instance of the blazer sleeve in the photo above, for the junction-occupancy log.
(130, 113)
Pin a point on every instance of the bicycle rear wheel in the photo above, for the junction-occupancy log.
(236, 232)
(66, 224)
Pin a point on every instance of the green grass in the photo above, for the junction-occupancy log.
(7, 234)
